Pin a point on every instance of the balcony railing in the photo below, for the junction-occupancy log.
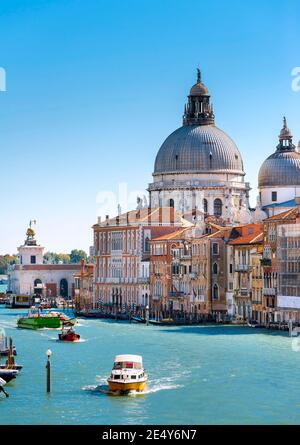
(242, 267)
(174, 294)
(270, 291)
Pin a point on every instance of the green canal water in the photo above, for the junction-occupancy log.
(198, 375)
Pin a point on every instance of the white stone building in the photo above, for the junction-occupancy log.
(32, 276)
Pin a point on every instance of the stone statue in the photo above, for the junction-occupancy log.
(139, 203)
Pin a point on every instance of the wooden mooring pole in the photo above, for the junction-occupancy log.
(48, 370)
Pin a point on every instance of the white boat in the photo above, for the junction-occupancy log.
(127, 374)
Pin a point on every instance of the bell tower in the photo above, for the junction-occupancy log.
(30, 253)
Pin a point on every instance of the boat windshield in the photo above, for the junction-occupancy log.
(127, 365)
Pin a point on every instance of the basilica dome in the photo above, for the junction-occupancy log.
(198, 148)
(282, 168)
(199, 168)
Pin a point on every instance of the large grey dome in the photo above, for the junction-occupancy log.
(281, 168)
(198, 148)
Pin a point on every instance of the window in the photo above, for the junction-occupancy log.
(230, 268)
(33, 259)
(217, 207)
(171, 203)
(147, 244)
(274, 196)
(215, 248)
(215, 292)
(205, 206)
(215, 269)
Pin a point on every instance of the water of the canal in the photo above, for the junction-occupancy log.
(198, 375)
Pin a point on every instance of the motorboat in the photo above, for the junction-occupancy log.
(36, 320)
(69, 335)
(127, 374)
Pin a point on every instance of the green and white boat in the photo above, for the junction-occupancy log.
(36, 320)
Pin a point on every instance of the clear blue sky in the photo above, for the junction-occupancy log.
(94, 87)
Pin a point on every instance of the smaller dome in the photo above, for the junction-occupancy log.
(282, 168)
(279, 169)
(199, 89)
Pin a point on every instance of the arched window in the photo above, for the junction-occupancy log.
(147, 244)
(38, 286)
(215, 292)
(205, 206)
(171, 203)
(217, 207)
(215, 269)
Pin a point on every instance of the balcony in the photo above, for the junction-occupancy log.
(269, 291)
(242, 293)
(113, 280)
(145, 280)
(242, 267)
(177, 294)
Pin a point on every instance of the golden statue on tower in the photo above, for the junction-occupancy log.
(30, 232)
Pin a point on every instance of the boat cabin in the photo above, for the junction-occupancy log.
(128, 367)
(128, 362)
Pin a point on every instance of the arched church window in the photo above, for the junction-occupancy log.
(217, 207)
(205, 206)
(171, 203)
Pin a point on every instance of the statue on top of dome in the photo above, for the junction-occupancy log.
(198, 75)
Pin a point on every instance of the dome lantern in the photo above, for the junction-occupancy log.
(198, 110)
(285, 138)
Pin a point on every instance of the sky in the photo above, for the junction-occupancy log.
(93, 88)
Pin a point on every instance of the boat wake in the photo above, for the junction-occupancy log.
(151, 388)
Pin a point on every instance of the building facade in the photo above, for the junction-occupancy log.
(32, 276)
(122, 255)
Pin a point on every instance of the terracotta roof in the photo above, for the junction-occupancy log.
(177, 234)
(145, 216)
(290, 214)
(250, 234)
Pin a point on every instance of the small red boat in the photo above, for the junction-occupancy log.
(69, 335)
